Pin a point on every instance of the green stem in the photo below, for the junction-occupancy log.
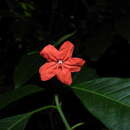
(77, 125)
(43, 108)
(61, 113)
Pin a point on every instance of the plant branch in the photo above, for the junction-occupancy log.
(42, 108)
(61, 113)
(77, 125)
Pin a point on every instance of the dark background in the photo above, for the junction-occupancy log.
(102, 39)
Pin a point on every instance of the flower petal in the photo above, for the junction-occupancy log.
(47, 71)
(64, 75)
(50, 53)
(66, 50)
(73, 68)
(74, 64)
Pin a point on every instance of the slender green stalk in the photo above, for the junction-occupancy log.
(61, 113)
(42, 108)
(77, 125)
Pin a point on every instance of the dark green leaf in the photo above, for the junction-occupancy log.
(86, 74)
(17, 94)
(19, 122)
(14, 123)
(28, 67)
(108, 99)
(65, 37)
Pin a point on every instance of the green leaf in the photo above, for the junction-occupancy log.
(108, 99)
(19, 122)
(14, 95)
(14, 123)
(65, 37)
(28, 67)
(86, 74)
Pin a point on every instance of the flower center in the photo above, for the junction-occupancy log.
(60, 62)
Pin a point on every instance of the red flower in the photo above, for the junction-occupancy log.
(60, 63)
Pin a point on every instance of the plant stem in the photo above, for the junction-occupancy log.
(61, 113)
(42, 108)
(77, 125)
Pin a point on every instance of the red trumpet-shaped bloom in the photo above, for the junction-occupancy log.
(60, 63)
